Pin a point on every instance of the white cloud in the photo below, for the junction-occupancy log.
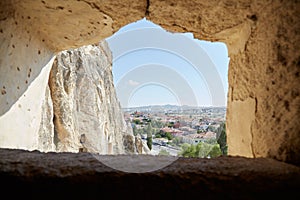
(133, 83)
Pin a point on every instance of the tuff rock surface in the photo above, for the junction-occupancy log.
(84, 176)
(86, 113)
(262, 37)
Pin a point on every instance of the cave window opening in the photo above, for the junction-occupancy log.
(172, 89)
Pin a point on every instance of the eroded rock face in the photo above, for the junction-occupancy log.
(46, 130)
(87, 114)
(82, 176)
(262, 39)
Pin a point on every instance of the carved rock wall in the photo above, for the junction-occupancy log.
(25, 63)
(262, 39)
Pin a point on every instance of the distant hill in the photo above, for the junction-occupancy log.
(168, 107)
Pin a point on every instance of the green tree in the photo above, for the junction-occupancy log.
(211, 141)
(170, 124)
(149, 142)
(135, 131)
(201, 150)
(169, 136)
(137, 121)
(149, 136)
(222, 138)
(188, 150)
(215, 151)
(158, 135)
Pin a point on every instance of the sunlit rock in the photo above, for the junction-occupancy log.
(87, 113)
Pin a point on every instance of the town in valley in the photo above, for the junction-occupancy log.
(180, 130)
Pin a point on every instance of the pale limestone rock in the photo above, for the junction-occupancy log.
(246, 110)
(46, 131)
(25, 63)
(70, 24)
(20, 125)
(141, 145)
(87, 114)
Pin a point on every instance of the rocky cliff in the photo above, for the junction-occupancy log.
(81, 111)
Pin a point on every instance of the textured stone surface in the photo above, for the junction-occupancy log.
(22, 58)
(133, 143)
(244, 110)
(262, 37)
(264, 66)
(82, 176)
(20, 126)
(46, 131)
(25, 63)
(87, 113)
(79, 22)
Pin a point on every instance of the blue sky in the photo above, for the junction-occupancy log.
(152, 66)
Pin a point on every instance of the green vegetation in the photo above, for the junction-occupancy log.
(150, 128)
(222, 138)
(149, 142)
(136, 121)
(201, 150)
(162, 134)
(210, 148)
(135, 131)
(149, 136)
(170, 124)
